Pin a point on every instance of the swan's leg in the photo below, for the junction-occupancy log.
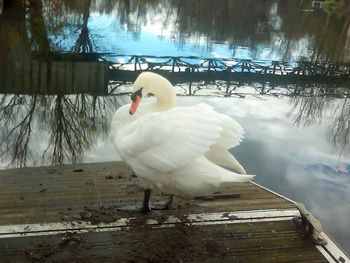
(145, 205)
(165, 206)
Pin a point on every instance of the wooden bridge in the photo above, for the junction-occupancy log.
(71, 73)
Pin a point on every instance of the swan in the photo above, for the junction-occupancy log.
(180, 150)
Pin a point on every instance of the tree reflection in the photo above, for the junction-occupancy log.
(340, 128)
(71, 122)
(250, 24)
(83, 43)
(16, 135)
(14, 41)
(310, 105)
(325, 105)
(65, 126)
(240, 22)
(135, 13)
(39, 35)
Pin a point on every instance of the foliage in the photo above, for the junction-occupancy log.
(333, 6)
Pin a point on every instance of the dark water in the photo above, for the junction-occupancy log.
(57, 93)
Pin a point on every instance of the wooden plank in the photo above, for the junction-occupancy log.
(17, 73)
(56, 77)
(69, 78)
(156, 219)
(92, 77)
(35, 83)
(102, 78)
(259, 242)
(61, 71)
(26, 77)
(3, 71)
(44, 82)
(81, 83)
(8, 79)
(52, 84)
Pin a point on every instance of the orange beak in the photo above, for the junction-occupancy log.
(134, 104)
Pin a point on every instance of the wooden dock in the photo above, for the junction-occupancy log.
(70, 214)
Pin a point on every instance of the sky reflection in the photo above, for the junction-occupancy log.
(159, 37)
(297, 162)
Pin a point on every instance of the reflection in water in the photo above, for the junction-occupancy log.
(83, 43)
(340, 130)
(330, 106)
(243, 29)
(52, 129)
(62, 116)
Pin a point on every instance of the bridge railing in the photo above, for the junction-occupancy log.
(189, 64)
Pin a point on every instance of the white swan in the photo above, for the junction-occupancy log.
(177, 149)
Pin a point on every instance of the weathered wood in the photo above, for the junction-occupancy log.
(32, 195)
(55, 77)
(259, 242)
(93, 192)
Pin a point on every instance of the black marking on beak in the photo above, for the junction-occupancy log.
(136, 93)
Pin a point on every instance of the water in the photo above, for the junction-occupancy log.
(55, 110)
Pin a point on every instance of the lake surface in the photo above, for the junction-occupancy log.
(57, 94)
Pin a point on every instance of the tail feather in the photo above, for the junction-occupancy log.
(220, 156)
(202, 177)
(228, 176)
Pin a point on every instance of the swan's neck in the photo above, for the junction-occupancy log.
(166, 98)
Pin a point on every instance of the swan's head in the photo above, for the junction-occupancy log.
(151, 83)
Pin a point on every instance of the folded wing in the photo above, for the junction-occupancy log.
(171, 139)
